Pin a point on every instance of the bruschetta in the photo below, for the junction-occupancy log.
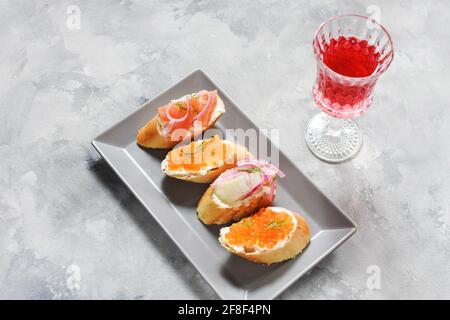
(203, 161)
(269, 236)
(239, 192)
(180, 119)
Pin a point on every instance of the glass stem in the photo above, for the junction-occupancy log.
(335, 127)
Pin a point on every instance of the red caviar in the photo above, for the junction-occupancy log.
(264, 229)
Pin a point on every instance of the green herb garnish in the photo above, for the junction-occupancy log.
(197, 147)
(248, 223)
(276, 224)
(181, 105)
(252, 170)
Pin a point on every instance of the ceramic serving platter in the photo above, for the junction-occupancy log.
(173, 202)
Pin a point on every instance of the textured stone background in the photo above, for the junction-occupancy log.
(70, 229)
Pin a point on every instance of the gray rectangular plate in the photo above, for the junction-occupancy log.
(173, 203)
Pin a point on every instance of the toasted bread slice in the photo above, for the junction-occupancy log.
(293, 240)
(210, 210)
(238, 192)
(151, 134)
(202, 161)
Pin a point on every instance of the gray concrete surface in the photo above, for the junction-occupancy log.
(70, 229)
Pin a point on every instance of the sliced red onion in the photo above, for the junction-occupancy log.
(265, 166)
(268, 171)
(225, 176)
(271, 195)
(205, 108)
(255, 187)
(249, 162)
(271, 170)
(178, 120)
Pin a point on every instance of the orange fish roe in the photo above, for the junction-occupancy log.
(196, 156)
(264, 229)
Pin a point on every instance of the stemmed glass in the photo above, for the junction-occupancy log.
(352, 52)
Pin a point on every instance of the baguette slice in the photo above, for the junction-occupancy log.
(239, 192)
(202, 161)
(151, 135)
(211, 211)
(281, 240)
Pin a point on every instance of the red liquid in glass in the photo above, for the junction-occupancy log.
(350, 57)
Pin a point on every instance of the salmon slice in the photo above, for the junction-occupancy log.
(178, 110)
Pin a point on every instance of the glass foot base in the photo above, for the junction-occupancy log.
(333, 140)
